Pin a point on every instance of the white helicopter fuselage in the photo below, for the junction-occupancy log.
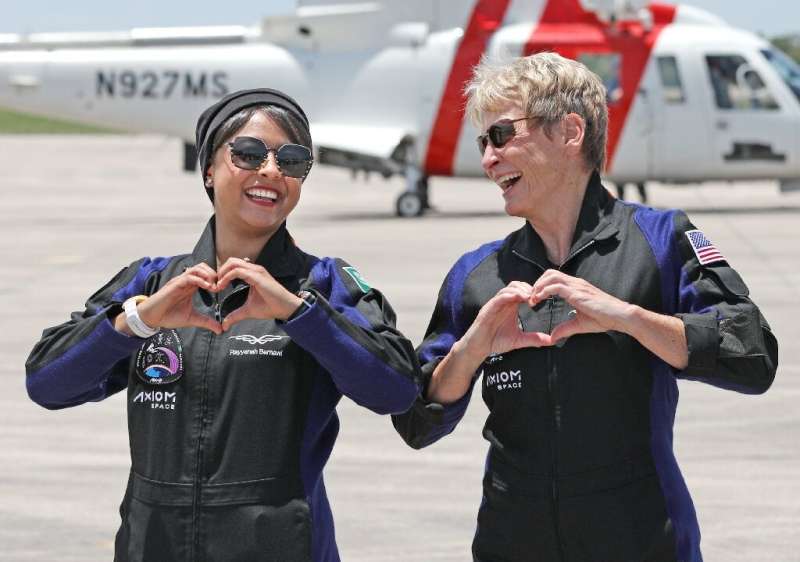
(690, 98)
(687, 135)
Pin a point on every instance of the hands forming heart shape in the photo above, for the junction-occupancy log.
(171, 306)
(496, 329)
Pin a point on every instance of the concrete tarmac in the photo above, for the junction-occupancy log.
(74, 210)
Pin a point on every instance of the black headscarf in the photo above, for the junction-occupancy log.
(213, 117)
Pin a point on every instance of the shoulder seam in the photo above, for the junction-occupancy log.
(141, 264)
(490, 248)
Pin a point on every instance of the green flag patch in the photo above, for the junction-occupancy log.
(362, 284)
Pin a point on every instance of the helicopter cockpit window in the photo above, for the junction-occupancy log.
(787, 69)
(607, 67)
(737, 85)
(670, 79)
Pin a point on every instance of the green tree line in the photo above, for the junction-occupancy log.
(789, 44)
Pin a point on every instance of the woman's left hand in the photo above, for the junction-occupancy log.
(595, 310)
(266, 299)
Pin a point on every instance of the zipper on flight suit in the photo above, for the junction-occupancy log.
(217, 308)
(553, 393)
(553, 370)
(198, 473)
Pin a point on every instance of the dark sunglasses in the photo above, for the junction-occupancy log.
(250, 153)
(499, 134)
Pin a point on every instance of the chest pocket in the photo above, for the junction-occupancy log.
(514, 388)
(258, 391)
(257, 363)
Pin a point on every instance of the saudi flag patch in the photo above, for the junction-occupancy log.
(362, 284)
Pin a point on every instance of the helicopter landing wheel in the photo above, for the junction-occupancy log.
(409, 204)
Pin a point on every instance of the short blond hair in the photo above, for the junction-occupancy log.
(548, 86)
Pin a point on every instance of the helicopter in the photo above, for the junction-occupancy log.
(690, 98)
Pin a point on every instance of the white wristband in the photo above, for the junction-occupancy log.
(136, 324)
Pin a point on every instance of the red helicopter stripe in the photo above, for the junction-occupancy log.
(569, 30)
(486, 17)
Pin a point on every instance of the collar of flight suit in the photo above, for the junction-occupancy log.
(279, 256)
(596, 222)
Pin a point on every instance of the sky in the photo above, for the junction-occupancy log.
(769, 17)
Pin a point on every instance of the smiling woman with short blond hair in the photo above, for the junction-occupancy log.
(579, 324)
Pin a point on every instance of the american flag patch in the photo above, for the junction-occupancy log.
(705, 251)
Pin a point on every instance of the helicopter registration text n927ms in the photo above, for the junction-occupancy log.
(690, 98)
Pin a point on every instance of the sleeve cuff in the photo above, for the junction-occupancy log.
(702, 339)
(302, 315)
(117, 341)
(434, 412)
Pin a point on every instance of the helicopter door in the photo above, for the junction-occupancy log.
(628, 152)
(680, 137)
(752, 134)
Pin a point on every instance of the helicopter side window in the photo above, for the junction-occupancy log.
(737, 85)
(670, 79)
(607, 67)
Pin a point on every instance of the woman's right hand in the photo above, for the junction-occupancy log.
(496, 329)
(171, 306)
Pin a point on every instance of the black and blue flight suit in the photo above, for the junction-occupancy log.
(227, 460)
(580, 464)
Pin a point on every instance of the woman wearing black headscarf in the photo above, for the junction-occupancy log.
(234, 357)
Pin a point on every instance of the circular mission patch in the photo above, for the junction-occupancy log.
(160, 359)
